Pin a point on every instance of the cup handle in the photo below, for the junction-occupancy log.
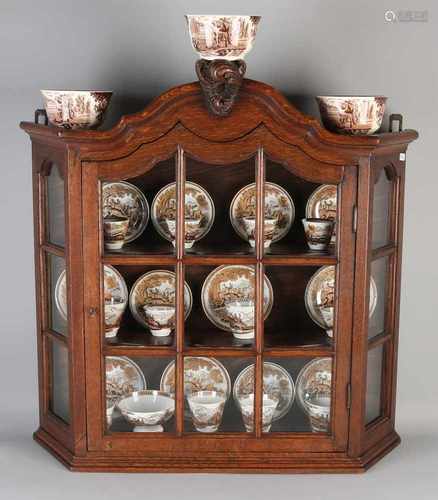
(41, 113)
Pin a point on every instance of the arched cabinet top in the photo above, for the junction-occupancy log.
(260, 111)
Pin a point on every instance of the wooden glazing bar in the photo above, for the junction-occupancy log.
(298, 352)
(300, 260)
(179, 295)
(220, 259)
(219, 351)
(57, 336)
(53, 249)
(125, 350)
(258, 396)
(385, 251)
(139, 260)
(259, 285)
(379, 340)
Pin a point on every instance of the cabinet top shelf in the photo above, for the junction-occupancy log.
(259, 106)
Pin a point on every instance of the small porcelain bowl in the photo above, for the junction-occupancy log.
(76, 109)
(222, 37)
(353, 115)
(147, 410)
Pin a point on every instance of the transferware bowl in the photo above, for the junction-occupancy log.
(352, 115)
(222, 37)
(147, 410)
(76, 109)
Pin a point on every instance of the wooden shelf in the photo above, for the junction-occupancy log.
(135, 340)
(297, 256)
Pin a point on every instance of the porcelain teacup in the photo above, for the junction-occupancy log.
(270, 224)
(159, 318)
(207, 408)
(327, 313)
(191, 230)
(318, 233)
(241, 316)
(115, 230)
(318, 410)
(246, 405)
(114, 309)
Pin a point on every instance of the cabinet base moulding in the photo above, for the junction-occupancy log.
(268, 463)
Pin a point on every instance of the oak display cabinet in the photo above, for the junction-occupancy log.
(264, 139)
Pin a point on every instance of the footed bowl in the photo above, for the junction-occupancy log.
(352, 115)
(76, 109)
(222, 37)
(147, 410)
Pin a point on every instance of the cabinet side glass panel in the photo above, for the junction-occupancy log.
(57, 294)
(59, 402)
(55, 207)
(382, 200)
(373, 400)
(140, 394)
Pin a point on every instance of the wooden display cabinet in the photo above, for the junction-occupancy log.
(264, 139)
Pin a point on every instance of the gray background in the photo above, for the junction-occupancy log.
(139, 48)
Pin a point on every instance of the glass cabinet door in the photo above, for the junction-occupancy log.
(381, 322)
(53, 279)
(216, 329)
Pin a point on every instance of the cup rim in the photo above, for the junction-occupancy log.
(317, 219)
(234, 16)
(161, 306)
(115, 218)
(65, 91)
(214, 394)
(351, 96)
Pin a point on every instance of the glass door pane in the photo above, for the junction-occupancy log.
(303, 306)
(55, 207)
(139, 213)
(59, 402)
(219, 394)
(58, 294)
(382, 204)
(220, 207)
(290, 199)
(300, 389)
(140, 394)
(373, 401)
(379, 296)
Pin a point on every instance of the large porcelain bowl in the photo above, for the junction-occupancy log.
(76, 109)
(353, 115)
(222, 37)
(147, 410)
